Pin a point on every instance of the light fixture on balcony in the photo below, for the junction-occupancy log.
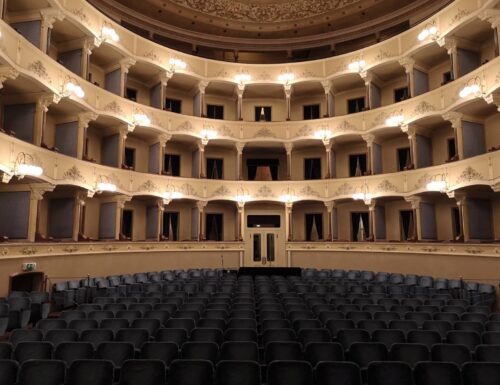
(177, 64)
(357, 66)
(472, 87)
(171, 193)
(25, 165)
(437, 183)
(363, 194)
(288, 196)
(242, 78)
(105, 184)
(242, 195)
(72, 88)
(286, 77)
(430, 30)
(141, 120)
(207, 134)
(109, 33)
(395, 120)
(324, 134)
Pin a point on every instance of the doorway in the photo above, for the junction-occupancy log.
(27, 282)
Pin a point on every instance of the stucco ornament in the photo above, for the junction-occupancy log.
(264, 12)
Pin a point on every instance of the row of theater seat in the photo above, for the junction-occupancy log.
(21, 308)
(128, 346)
(201, 372)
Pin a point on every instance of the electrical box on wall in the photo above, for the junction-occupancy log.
(29, 266)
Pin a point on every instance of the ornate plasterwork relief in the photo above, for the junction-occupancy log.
(264, 12)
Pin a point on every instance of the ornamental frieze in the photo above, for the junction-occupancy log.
(468, 175)
(423, 107)
(38, 68)
(74, 174)
(264, 12)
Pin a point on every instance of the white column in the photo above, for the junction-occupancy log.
(288, 221)
(327, 86)
(240, 89)
(288, 97)
(369, 139)
(49, 17)
(84, 120)
(329, 208)
(202, 86)
(411, 132)
(42, 106)
(451, 47)
(289, 148)
(240, 221)
(125, 65)
(239, 160)
(409, 64)
(201, 219)
(88, 46)
(162, 140)
(455, 118)
(36, 196)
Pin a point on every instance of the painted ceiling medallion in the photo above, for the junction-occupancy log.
(264, 11)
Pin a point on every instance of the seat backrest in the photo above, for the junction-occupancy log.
(190, 372)
(332, 373)
(411, 353)
(71, 351)
(85, 372)
(42, 372)
(389, 373)
(28, 350)
(200, 351)
(282, 351)
(139, 372)
(116, 352)
(437, 373)
(8, 371)
(289, 373)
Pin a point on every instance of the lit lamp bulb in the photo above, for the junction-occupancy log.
(142, 120)
(109, 33)
(242, 78)
(207, 135)
(394, 121)
(72, 88)
(436, 185)
(177, 63)
(356, 65)
(322, 134)
(106, 186)
(431, 31)
(469, 90)
(286, 77)
(29, 169)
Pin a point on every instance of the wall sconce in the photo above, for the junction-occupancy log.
(242, 195)
(141, 120)
(324, 134)
(104, 184)
(472, 87)
(109, 33)
(395, 120)
(357, 66)
(242, 78)
(363, 194)
(288, 196)
(73, 88)
(177, 64)
(437, 183)
(171, 193)
(286, 77)
(429, 30)
(25, 165)
(207, 134)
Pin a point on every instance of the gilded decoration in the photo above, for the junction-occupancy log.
(264, 192)
(268, 12)
(113, 107)
(39, 69)
(74, 173)
(468, 175)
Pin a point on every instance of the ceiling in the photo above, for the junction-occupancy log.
(267, 25)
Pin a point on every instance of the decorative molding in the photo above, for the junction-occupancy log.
(423, 107)
(386, 186)
(459, 15)
(264, 133)
(113, 107)
(38, 68)
(264, 192)
(344, 189)
(222, 191)
(74, 174)
(189, 190)
(149, 186)
(309, 191)
(81, 15)
(304, 131)
(468, 175)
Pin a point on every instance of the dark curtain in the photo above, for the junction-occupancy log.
(406, 224)
(311, 112)
(355, 105)
(170, 226)
(252, 165)
(127, 221)
(173, 105)
(312, 168)
(172, 164)
(215, 112)
(214, 168)
(213, 227)
(267, 113)
(403, 158)
(317, 219)
(353, 163)
(355, 219)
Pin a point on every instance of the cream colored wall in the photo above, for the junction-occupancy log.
(492, 130)
(229, 216)
(141, 152)
(392, 218)
(91, 225)
(341, 99)
(278, 108)
(298, 159)
(103, 263)
(299, 218)
(387, 91)
(344, 218)
(390, 152)
(229, 160)
(98, 74)
(436, 74)
(342, 152)
(444, 223)
(49, 134)
(228, 103)
(186, 100)
(186, 153)
(138, 220)
(94, 143)
(488, 49)
(184, 208)
(142, 90)
(298, 103)
(439, 137)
